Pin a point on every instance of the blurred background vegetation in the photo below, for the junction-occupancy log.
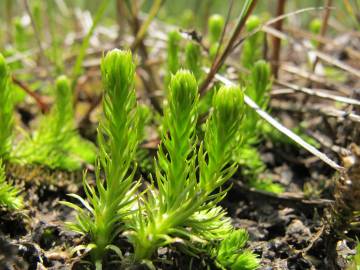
(183, 13)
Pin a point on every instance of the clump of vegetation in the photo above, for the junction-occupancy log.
(180, 205)
(231, 254)
(56, 143)
(190, 217)
(106, 207)
(6, 110)
(247, 155)
(9, 195)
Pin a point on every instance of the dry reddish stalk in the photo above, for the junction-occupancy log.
(277, 41)
(38, 99)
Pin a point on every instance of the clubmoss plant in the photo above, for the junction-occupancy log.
(247, 155)
(56, 143)
(173, 62)
(231, 253)
(315, 28)
(106, 207)
(251, 51)
(216, 25)
(193, 59)
(183, 208)
(20, 34)
(9, 195)
(6, 110)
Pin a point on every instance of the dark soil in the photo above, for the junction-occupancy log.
(285, 230)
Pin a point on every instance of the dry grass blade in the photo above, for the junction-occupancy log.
(317, 109)
(143, 29)
(268, 118)
(320, 94)
(326, 82)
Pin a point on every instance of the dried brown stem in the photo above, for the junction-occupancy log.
(44, 107)
(275, 57)
(120, 18)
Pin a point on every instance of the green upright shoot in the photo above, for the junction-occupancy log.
(6, 110)
(9, 195)
(106, 207)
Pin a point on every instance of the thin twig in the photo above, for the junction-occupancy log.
(320, 94)
(316, 109)
(44, 107)
(283, 129)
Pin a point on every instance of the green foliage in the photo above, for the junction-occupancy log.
(143, 155)
(56, 144)
(193, 59)
(315, 28)
(258, 86)
(216, 25)
(9, 195)
(20, 35)
(183, 208)
(173, 63)
(37, 16)
(6, 110)
(251, 51)
(231, 253)
(106, 207)
(355, 262)
(247, 156)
